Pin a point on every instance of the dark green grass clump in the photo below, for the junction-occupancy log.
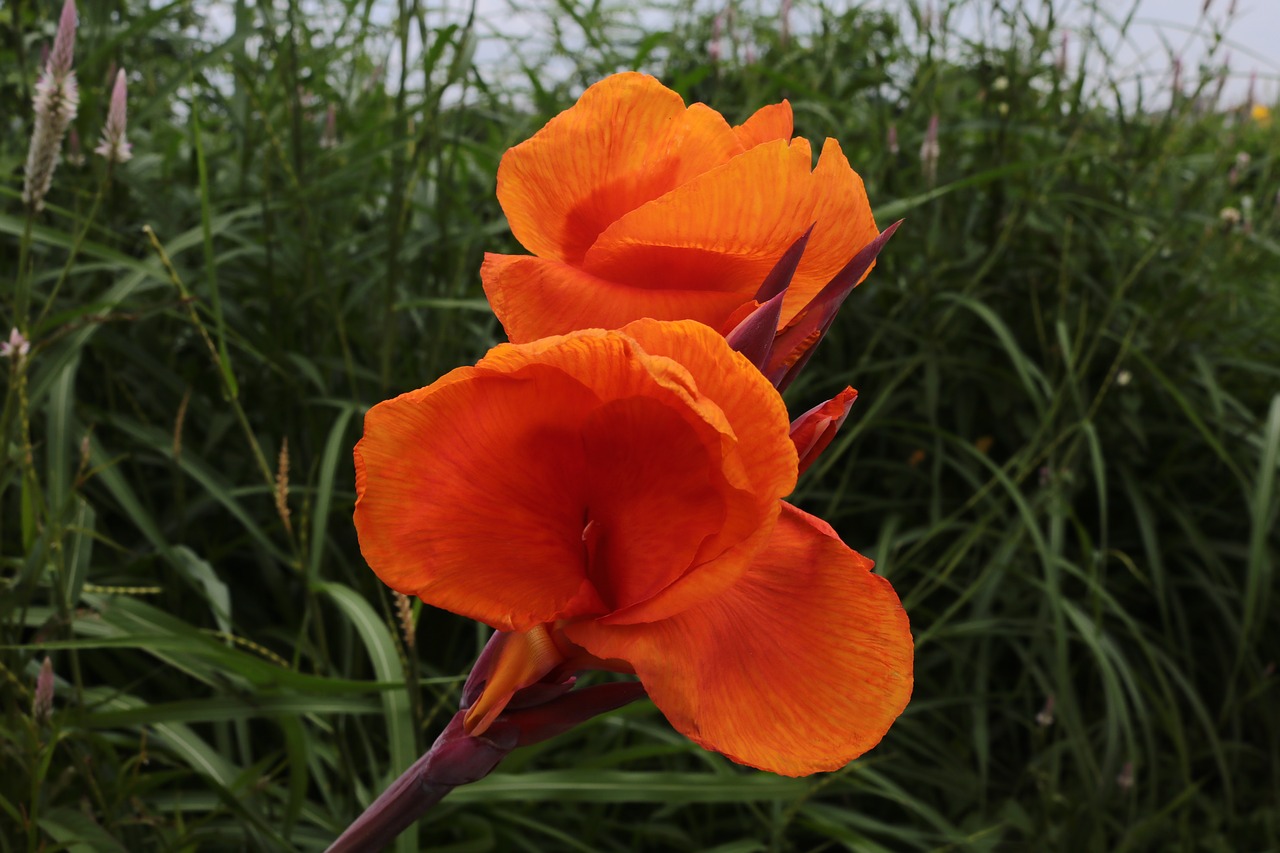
(1064, 453)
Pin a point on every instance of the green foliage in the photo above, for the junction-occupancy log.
(1064, 455)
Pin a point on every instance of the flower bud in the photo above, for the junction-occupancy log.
(114, 146)
(42, 707)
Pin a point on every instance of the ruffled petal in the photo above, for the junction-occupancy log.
(844, 225)
(756, 415)
(656, 490)
(722, 231)
(534, 298)
(767, 124)
(572, 476)
(799, 668)
(627, 140)
(470, 496)
(682, 495)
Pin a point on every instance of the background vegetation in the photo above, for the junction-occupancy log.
(1064, 455)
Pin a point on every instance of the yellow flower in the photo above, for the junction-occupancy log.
(1261, 114)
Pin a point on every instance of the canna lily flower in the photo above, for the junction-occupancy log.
(612, 500)
(634, 205)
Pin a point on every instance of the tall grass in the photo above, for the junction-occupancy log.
(1064, 453)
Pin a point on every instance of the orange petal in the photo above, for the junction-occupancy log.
(644, 462)
(716, 456)
(627, 140)
(721, 232)
(469, 496)
(755, 414)
(800, 667)
(534, 298)
(767, 124)
(844, 225)
(566, 477)
(521, 660)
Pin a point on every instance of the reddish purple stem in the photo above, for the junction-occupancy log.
(534, 714)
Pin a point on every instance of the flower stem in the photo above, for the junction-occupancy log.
(454, 759)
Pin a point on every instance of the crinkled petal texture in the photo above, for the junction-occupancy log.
(635, 206)
(799, 667)
(597, 474)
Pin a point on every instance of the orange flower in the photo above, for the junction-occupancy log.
(611, 499)
(635, 206)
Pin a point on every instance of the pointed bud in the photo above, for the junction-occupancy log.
(930, 152)
(329, 136)
(521, 660)
(794, 345)
(114, 146)
(754, 334)
(813, 431)
(540, 722)
(64, 43)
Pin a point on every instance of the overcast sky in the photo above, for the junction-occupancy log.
(1251, 39)
(1249, 29)
(1159, 29)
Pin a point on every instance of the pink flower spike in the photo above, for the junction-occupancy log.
(114, 146)
(55, 104)
(16, 347)
(42, 708)
(813, 431)
(329, 136)
(930, 152)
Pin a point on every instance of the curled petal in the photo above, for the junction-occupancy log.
(627, 140)
(724, 230)
(573, 476)
(469, 496)
(534, 297)
(844, 224)
(765, 125)
(754, 412)
(798, 668)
